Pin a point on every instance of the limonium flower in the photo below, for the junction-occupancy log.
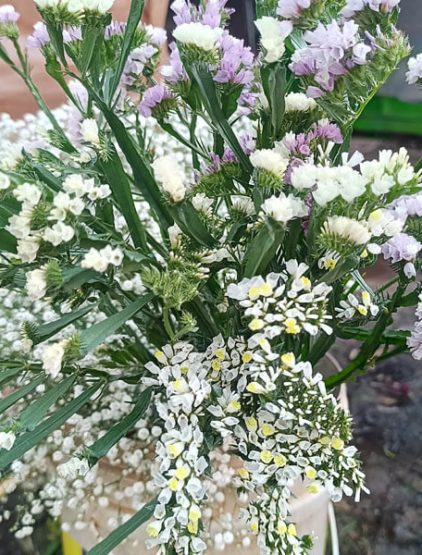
(414, 74)
(414, 342)
(273, 35)
(331, 52)
(284, 208)
(354, 6)
(153, 98)
(171, 177)
(39, 37)
(199, 35)
(8, 14)
(401, 247)
(292, 9)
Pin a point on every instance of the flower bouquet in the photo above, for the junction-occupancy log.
(180, 247)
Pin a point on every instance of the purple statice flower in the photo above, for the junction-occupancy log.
(292, 9)
(8, 15)
(352, 7)
(116, 28)
(72, 34)
(75, 118)
(182, 13)
(156, 35)
(136, 63)
(247, 102)
(174, 72)
(153, 97)
(324, 130)
(295, 145)
(236, 62)
(408, 206)
(331, 52)
(213, 13)
(39, 37)
(401, 247)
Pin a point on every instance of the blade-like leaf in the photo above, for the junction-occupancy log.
(8, 242)
(121, 533)
(46, 331)
(9, 374)
(187, 218)
(14, 397)
(95, 335)
(262, 249)
(274, 84)
(101, 447)
(143, 178)
(212, 105)
(28, 440)
(30, 417)
(120, 186)
(135, 14)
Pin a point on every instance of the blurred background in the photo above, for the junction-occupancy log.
(387, 402)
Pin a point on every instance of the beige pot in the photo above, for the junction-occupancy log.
(310, 512)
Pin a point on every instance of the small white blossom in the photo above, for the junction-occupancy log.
(36, 285)
(52, 358)
(197, 34)
(299, 102)
(269, 160)
(7, 440)
(273, 34)
(90, 132)
(171, 177)
(284, 208)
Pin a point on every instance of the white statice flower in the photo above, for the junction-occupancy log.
(350, 230)
(73, 469)
(100, 260)
(59, 233)
(90, 132)
(273, 35)
(52, 358)
(28, 249)
(64, 204)
(270, 161)
(328, 183)
(50, 3)
(354, 306)
(171, 177)
(101, 6)
(4, 181)
(7, 440)
(199, 35)
(299, 102)
(284, 208)
(243, 205)
(28, 194)
(384, 222)
(414, 74)
(391, 169)
(36, 284)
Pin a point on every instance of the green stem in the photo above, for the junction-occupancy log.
(370, 346)
(167, 324)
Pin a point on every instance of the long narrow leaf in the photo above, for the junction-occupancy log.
(46, 331)
(95, 335)
(30, 439)
(8, 242)
(135, 14)
(101, 447)
(20, 393)
(211, 102)
(9, 374)
(121, 533)
(120, 186)
(143, 178)
(30, 417)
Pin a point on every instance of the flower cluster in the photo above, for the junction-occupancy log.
(180, 250)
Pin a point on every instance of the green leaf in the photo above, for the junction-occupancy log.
(9, 374)
(119, 183)
(43, 174)
(143, 178)
(274, 83)
(8, 242)
(95, 335)
(262, 248)
(75, 278)
(14, 397)
(412, 299)
(100, 448)
(55, 32)
(135, 14)
(46, 331)
(344, 267)
(189, 221)
(30, 417)
(212, 105)
(92, 38)
(121, 533)
(54, 70)
(28, 440)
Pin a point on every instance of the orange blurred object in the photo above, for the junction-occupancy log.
(14, 96)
